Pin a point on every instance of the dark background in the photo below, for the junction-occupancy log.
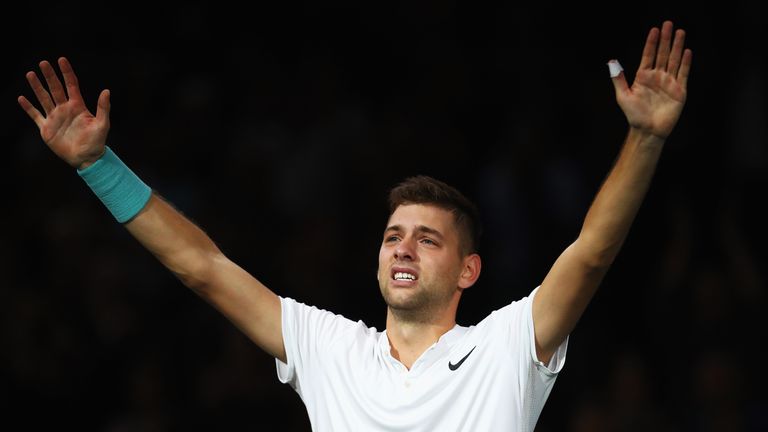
(280, 128)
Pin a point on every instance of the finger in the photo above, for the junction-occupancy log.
(40, 92)
(54, 85)
(30, 109)
(617, 77)
(70, 79)
(103, 106)
(649, 52)
(662, 56)
(685, 67)
(677, 52)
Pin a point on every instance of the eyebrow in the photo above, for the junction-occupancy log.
(419, 229)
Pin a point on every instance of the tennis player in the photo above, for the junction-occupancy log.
(423, 372)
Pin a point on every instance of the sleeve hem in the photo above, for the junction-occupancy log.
(557, 361)
(285, 370)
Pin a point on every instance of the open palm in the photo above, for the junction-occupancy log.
(68, 128)
(658, 93)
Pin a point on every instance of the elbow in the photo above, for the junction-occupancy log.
(198, 274)
(600, 260)
(596, 256)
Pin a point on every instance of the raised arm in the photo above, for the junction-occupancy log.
(78, 137)
(652, 106)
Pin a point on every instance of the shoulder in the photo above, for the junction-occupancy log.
(515, 310)
(312, 320)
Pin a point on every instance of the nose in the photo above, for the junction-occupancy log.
(404, 251)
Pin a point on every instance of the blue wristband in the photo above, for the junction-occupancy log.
(116, 186)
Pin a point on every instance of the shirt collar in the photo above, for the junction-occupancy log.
(436, 351)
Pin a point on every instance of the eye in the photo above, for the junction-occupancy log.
(390, 239)
(428, 242)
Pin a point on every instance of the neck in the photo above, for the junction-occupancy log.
(409, 339)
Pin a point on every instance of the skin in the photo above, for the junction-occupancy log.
(422, 240)
(418, 313)
(652, 106)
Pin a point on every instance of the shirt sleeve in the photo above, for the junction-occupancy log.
(513, 324)
(557, 361)
(307, 333)
(537, 378)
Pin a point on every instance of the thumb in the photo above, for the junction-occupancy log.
(102, 108)
(617, 77)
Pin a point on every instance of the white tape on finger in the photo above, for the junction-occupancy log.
(614, 68)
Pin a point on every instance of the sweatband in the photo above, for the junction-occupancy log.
(116, 186)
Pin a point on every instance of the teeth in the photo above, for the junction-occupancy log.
(404, 276)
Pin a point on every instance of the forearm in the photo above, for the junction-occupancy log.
(615, 206)
(79, 138)
(191, 255)
(178, 244)
(576, 274)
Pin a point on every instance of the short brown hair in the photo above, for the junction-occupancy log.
(423, 189)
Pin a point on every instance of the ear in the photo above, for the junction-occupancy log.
(470, 271)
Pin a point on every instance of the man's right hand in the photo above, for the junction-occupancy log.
(68, 128)
(79, 137)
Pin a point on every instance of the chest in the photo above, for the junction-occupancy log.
(472, 377)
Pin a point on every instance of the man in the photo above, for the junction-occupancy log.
(423, 372)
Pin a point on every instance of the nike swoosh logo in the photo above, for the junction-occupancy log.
(453, 367)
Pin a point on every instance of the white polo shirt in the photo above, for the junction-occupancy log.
(479, 378)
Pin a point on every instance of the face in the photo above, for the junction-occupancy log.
(420, 267)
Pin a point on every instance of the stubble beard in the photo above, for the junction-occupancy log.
(419, 305)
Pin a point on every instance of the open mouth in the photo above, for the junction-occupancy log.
(404, 275)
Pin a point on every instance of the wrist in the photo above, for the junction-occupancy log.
(645, 138)
(116, 186)
(88, 161)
